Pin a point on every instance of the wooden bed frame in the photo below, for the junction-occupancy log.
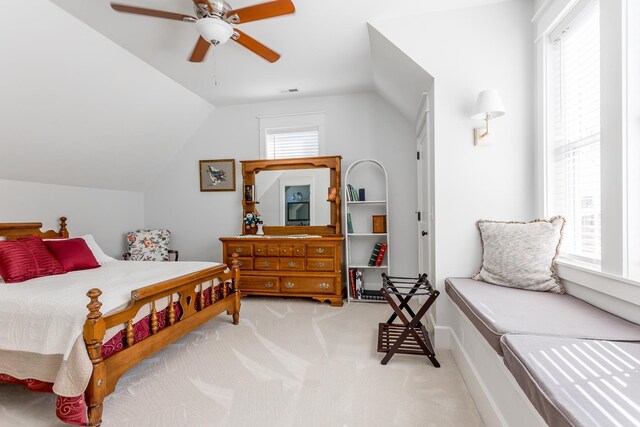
(190, 289)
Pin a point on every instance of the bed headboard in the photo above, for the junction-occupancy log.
(12, 231)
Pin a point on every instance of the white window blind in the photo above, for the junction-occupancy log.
(574, 143)
(291, 143)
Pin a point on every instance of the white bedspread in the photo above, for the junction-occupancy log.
(46, 315)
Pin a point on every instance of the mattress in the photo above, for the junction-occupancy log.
(575, 382)
(44, 318)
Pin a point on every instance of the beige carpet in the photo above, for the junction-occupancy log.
(290, 362)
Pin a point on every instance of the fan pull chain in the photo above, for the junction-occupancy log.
(215, 56)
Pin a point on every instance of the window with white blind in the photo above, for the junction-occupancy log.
(292, 135)
(573, 143)
(292, 143)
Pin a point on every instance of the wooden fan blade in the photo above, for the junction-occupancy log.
(151, 12)
(255, 46)
(200, 51)
(261, 11)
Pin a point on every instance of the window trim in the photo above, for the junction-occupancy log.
(289, 122)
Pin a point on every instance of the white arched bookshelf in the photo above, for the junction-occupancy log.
(361, 239)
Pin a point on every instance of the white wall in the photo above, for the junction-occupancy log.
(466, 51)
(77, 109)
(107, 214)
(357, 126)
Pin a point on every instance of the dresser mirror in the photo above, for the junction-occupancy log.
(292, 196)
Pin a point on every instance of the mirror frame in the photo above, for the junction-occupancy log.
(252, 167)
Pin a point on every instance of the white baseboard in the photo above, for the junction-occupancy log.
(498, 397)
(481, 395)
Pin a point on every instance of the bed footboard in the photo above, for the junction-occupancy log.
(186, 313)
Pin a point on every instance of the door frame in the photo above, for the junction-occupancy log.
(425, 208)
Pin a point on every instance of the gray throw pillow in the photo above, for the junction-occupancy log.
(521, 255)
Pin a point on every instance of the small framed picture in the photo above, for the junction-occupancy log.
(332, 194)
(218, 175)
(249, 193)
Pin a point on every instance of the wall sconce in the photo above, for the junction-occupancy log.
(488, 106)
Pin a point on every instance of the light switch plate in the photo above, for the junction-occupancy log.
(481, 142)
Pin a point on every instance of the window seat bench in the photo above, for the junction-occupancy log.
(578, 365)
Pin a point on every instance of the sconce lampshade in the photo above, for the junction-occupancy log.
(489, 105)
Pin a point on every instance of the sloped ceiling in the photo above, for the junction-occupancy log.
(397, 78)
(77, 109)
(324, 45)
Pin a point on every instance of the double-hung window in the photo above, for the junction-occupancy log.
(573, 131)
(292, 136)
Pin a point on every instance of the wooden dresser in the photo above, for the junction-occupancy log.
(305, 267)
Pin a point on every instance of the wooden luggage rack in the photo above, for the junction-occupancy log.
(410, 337)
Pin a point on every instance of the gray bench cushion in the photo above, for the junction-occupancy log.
(574, 382)
(498, 310)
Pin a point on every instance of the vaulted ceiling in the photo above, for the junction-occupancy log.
(107, 99)
(324, 45)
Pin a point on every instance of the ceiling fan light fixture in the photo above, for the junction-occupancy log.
(214, 30)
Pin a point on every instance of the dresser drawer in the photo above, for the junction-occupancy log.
(315, 285)
(266, 263)
(262, 284)
(242, 249)
(320, 264)
(260, 249)
(299, 250)
(320, 250)
(245, 263)
(292, 264)
(273, 250)
(286, 250)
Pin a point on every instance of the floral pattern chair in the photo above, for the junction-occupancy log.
(149, 245)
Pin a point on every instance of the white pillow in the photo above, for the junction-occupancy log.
(97, 251)
(101, 257)
(521, 255)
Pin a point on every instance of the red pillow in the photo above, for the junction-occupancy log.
(73, 254)
(16, 262)
(46, 264)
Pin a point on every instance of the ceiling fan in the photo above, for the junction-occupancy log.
(214, 19)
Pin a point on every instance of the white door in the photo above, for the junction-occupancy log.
(425, 200)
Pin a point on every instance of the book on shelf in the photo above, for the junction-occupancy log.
(359, 284)
(372, 294)
(352, 282)
(349, 224)
(361, 195)
(374, 254)
(383, 249)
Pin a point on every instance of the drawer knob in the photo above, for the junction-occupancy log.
(292, 264)
(319, 264)
(289, 285)
(268, 284)
(265, 264)
(319, 250)
(239, 250)
(324, 286)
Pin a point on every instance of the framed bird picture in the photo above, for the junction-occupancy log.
(218, 175)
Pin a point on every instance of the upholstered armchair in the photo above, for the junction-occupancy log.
(149, 245)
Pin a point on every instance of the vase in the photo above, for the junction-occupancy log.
(260, 232)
